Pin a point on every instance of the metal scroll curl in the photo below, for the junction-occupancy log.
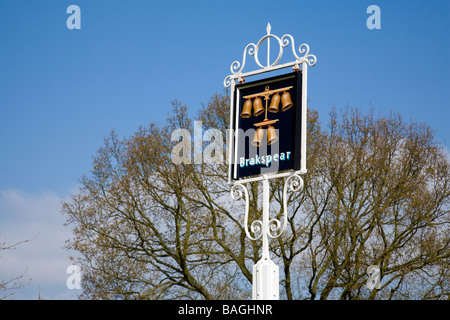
(275, 227)
(239, 191)
(252, 49)
(294, 183)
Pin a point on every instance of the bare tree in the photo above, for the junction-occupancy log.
(378, 196)
(147, 230)
(13, 283)
(376, 193)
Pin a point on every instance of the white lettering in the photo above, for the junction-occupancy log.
(225, 309)
(265, 160)
(374, 21)
(213, 152)
(374, 277)
(268, 309)
(74, 280)
(269, 159)
(198, 142)
(195, 310)
(247, 309)
(183, 148)
(74, 21)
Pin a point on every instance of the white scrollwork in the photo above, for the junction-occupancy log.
(310, 59)
(239, 191)
(253, 50)
(256, 228)
(274, 226)
(236, 65)
(227, 81)
(295, 183)
(237, 194)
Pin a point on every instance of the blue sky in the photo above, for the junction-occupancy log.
(62, 91)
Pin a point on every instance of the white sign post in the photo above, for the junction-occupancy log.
(265, 271)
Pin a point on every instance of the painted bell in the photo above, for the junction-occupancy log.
(286, 101)
(257, 139)
(271, 135)
(258, 107)
(274, 104)
(247, 109)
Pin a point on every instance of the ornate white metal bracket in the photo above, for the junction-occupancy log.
(271, 228)
(266, 272)
(253, 50)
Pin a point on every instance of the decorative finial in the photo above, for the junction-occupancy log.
(269, 27)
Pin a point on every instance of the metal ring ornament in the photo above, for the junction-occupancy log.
(280, 53)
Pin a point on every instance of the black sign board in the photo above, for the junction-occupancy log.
(266, 121)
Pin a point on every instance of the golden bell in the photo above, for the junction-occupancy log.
(274, 103)
(271, 135)
(258, 107)
(257, 139)
(286, 101)
(247, 109)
